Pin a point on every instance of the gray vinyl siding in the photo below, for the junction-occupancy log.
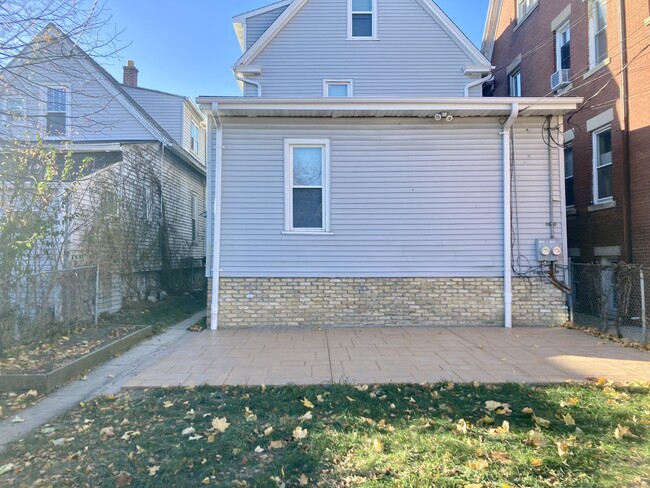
(165, 108)
(414, 56)
(258, 25)
(409, 198)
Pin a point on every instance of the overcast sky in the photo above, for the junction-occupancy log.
(188, 47)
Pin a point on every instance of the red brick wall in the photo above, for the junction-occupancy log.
(534, 41)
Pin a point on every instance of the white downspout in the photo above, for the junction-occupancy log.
(507, 215)
(216, 217)
(474, 83)
(250, 82)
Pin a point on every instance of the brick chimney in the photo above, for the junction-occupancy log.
(130, 74)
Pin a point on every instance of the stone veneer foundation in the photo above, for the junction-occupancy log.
(292, 302)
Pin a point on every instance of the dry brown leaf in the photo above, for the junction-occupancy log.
(307, 403)
(188, 431)
(541, 421)
(536, 438)
(307, 416)
(536, 462)
(124, 479)
(153, 470)
(6, 468)
(461, 427)
(268, 431)
(259, 449)
(377, 445)
(479, 464)
(528, 411)
(304, 480)
(562, 448)
(569, 420)
(502, 457)
(621, 431)
(106, 432)
(276, 445)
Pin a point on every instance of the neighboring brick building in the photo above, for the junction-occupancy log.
(598, 50)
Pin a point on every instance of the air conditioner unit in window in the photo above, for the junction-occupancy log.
(560, 79)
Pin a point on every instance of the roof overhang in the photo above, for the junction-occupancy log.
(385, 107)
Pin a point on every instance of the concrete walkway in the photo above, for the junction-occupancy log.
(385, 355)
(107, 378)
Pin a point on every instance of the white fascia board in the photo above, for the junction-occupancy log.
(415, 104)
(491, 25)
(87, 147)
(455, 33)
(478, 70)
(259, 45)
(248, 70)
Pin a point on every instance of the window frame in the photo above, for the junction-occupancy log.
(596, 160)
(194, 216)
(289, 145)
(148, 202)
(10, 114)
(66, 90)
(529, 6)
(328, 82)
(194, 142)
(567, 177)
(512, 75)
(565, 27)
(593, 59)
(351, 13)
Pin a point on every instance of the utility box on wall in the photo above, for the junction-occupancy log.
(548, 250)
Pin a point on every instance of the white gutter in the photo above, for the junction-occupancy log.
(239, 76)
(507, 215)
(216, 217)
(474, 83)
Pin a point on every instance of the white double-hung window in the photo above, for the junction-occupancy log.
(307, 163)
(597, 32)
(602, 151)
(524, 7)
(362, 19)
(56, 117)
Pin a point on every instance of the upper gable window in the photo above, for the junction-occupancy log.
(337, 88)
(57, 112)
(194, 138)
(362, 19)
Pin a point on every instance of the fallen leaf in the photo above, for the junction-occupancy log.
(168, 404)
(106, 433)
(249, 415)
(6, 468)
(188, 431)
(48, 430)
(571, 402)
(361, 387)
(562, 448)
(16, 420)
(350, 399)
(220, 424)
(259, 449)
(498, 407)
(541, 421)
(621, 431)
(268, 431)
(195, 437)
(191, 415)
(307, 416)
(461, 427)
(479, 464)
(502, 457)
(528, 411)
(153, 470)
(304, 480)
(276, 445)
(536, 438)
(124, 479)
(378, 445)
(320, 398)
(569, 420)
(299, 433)
(307, 403)
(206, 480)
(536, 462)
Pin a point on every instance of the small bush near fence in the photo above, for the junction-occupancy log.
(611, 299)
(35, 303)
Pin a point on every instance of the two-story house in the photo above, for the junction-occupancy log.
(597, 50)
(362, 179)
(140, 211)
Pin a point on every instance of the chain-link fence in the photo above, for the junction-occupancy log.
(611, 299)
(39, 305)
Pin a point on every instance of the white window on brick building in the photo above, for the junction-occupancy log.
(598, 52)
(524, 7)
(602, 170)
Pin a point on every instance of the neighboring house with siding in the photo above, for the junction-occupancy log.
(362, 179)
(598, 50)
(141, 210)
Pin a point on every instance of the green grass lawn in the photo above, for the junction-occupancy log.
(337, 436)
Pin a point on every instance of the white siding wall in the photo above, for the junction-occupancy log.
(410, 197)
(257, 25)
(414, 55)
(165, 108)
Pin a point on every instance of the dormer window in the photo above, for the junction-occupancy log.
(337, 88)
(362, 19)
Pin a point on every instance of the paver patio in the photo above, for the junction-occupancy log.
(391, 355)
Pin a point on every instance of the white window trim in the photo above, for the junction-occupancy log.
(595, 155)
(374, 36)
(521, 16)
(327, 82)
(593, 65)
(516, 70)
(194, 125)
(566, 27)
(289, 144)
(68, 113)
